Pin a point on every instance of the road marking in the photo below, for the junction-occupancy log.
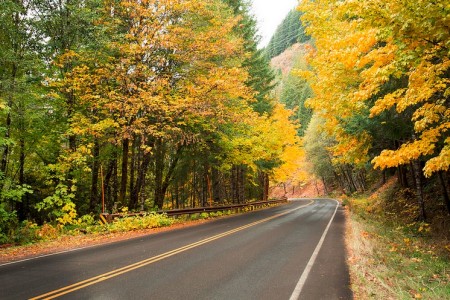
(102, 277)
(301, 282)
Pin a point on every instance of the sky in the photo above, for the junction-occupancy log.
(269, 14)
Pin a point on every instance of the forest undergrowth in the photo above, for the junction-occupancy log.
(391, 254)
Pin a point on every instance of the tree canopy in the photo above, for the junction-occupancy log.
(380, 77)
(148, 104)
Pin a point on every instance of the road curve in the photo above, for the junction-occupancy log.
(293, 251)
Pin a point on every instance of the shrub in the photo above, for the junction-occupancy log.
(152, 220)
(59, 206)
(8, 221)
(47, 232)
(194, 216)
(27, 233)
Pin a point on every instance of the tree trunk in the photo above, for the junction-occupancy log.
(142, 193)
(234, 184)
(402, 176)
(115, 189)
(177, 196)
(362, 179)
(4, 163)
(444, 191)
(170, 172)
(133, 164)
(216, 186)
(325, 189)
(206, 186)
(159, 168)
(266, 187)
(419, 190)
(124, 175)
(349, 171)
(241, 184)
(346, 180)
(339, 180)
(142, 171)
(94, 179)
(108, 189)
(261, 185)
(22, 206)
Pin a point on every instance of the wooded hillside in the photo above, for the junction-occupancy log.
(288, 33)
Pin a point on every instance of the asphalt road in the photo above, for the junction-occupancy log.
(293, 251)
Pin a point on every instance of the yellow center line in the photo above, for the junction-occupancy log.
(105, 276)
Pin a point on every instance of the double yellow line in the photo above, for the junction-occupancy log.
(102, 277)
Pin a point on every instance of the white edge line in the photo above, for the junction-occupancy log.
(301, 282)
(51, 254)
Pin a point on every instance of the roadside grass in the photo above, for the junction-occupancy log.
(393, 259)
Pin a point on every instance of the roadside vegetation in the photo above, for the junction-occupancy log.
(88, 227)
(393, 255)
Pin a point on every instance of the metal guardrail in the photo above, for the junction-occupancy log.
(108, 218)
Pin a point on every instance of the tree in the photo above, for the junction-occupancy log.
(290, 31)
(369, 60)
(295, 90)
(22, 107)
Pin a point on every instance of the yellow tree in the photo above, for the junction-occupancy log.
(291, 155)
(416, 44)
(267, 142)
(334, 79)
(170, 73)
(383, 56)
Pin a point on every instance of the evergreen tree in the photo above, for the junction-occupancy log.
(261, 76)
(289, 32)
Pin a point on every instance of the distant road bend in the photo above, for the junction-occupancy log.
(293, 251)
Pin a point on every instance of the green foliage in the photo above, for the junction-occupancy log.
(29, 232)
(8, 221)
(148, 221)
(294, 93)
(11, 194)
(316, 143)
(260, 74)
(26, 233)
(204, 215)
(86, 220)
(216, 214)
(15, 193)
(59, 207)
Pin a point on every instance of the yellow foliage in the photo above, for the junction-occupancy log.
(69, 214)
(364, 45)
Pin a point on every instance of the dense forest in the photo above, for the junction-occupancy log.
(137, 104)
(169, 104)
(379, 74)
